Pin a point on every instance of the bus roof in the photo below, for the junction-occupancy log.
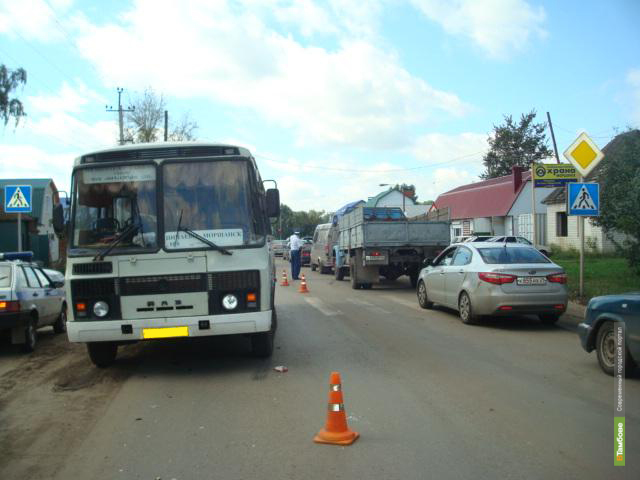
(150, 151)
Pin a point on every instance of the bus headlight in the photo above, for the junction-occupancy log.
(230, 302)
(100, 309)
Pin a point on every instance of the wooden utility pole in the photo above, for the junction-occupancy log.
(166, 125)
(120, 111)
(553, 137)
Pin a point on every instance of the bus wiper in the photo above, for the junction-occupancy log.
(131, 229)
(199, 237)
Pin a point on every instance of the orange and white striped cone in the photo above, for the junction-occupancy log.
(303, 285)
(285, 281)
(336, 431)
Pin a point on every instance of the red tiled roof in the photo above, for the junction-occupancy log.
(489, 198)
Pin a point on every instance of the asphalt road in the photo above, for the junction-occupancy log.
(431, 398)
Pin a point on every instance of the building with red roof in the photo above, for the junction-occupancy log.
(498, 206)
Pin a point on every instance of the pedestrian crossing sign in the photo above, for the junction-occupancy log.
(17, 199)
(583, 199)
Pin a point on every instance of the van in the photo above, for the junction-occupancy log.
(322, 250)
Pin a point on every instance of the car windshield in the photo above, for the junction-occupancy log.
(504, 255)
(110, 200)
(5, 276)
(213, 199)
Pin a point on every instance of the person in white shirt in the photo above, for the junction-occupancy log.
(294, 244)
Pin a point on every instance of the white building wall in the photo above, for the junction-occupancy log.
(593, 235)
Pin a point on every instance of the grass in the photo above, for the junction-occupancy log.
(603, 275)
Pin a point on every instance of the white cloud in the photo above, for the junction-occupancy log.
(33, 162)
(358, 94)
(438, 148)
(633, 80)
(32, 19)
(69, 99)
(499, 27)
(308, 16)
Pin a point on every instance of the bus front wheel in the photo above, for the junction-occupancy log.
(102, 354)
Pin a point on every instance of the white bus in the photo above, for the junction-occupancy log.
(168, 240)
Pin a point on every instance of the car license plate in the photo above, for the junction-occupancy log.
(168, 332)
(532, 281)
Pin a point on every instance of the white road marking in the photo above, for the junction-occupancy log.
(321, 306)
(404, 301)
(368, 305)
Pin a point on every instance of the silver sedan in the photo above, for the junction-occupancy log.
(486, 278)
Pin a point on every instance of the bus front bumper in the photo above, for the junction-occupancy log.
(118, 330)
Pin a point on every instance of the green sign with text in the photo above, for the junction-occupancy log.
(547, 175)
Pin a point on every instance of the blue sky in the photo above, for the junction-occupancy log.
(332, 97)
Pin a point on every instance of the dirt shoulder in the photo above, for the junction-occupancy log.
(49, 401)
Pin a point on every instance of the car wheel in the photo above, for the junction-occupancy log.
(548, 318)
(30, 337)
(339, 273)
(61, 323)
(606, 350)
(102, 354)
(466, 310)
(325, 270)
(423, 299)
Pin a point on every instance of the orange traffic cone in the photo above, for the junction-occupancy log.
(336, 431)
(303, 285)
(285, 281)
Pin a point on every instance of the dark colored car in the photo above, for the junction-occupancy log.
(305, 252)
(597, 330)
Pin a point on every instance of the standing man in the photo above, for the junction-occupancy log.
(294, 245)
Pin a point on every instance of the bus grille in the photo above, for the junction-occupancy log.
(158, 284)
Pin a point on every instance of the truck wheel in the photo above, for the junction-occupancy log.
(102, 354)
(313, 267)
(354, 285)
(414, 279)
(61, 323)
(339, 273)
(30, 337)
(324, 270)
(466, 310)
(366, 286)
(423, 298)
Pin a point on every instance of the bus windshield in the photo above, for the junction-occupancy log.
(215, 200)
(112, 201)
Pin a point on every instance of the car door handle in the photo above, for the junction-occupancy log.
(35, 294)
(441, 272)
(460, 271)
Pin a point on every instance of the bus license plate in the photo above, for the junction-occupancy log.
(532, 281)
(167, 332)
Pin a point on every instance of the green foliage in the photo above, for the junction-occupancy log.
(408, 190)
(514, 144)
(304, 222)
(10, 80)
(619, 178)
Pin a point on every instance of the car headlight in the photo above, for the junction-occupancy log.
(100, 309)
(230, 302)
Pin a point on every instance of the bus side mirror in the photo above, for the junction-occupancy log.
(273, 203)
(58, 219)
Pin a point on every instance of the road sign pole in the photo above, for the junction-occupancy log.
(19, 232)
(581, 256)
(533, 207)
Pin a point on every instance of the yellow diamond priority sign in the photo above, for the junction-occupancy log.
(584, 154)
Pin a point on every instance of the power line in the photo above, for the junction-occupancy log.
(120, 111)
(375, 171)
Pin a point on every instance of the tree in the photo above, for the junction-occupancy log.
(512, 145)
(10, 80)
(146, 122)
(619, 178)
(407, 190)
(304, 222)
